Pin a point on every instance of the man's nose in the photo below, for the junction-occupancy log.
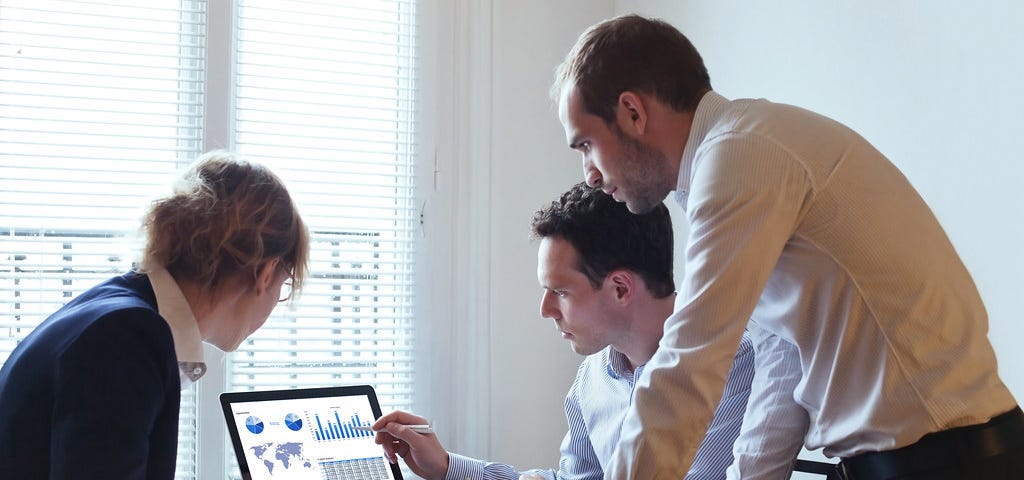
(591, 175)
(547, 309)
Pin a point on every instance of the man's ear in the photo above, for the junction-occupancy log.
(631, 113)
(266, 275)
(623, 283)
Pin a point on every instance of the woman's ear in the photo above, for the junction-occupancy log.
(266, 275)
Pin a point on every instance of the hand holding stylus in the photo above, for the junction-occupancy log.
(409, 436)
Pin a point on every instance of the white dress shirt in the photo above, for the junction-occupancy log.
(188, 343)
(800, 225)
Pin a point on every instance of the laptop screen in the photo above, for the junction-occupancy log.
(306, 434)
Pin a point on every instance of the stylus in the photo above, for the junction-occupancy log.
(415, 428)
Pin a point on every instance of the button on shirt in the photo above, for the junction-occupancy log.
(800, 225)
(595, 406)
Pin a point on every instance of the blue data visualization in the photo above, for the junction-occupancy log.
(326, 430)
(254, 424)
(293, 422)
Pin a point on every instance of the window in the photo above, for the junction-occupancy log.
(101, 103)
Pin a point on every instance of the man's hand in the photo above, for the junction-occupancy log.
(422, 452)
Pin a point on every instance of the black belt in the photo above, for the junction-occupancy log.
(948, 447)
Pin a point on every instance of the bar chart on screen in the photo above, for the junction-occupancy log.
(331, 427)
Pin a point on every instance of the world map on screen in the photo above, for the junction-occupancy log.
(282, 455)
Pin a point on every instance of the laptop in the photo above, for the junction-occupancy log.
(307, 434)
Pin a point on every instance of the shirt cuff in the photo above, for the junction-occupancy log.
(463, 468)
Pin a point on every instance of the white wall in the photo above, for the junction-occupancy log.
(497, 373)
(531, 166)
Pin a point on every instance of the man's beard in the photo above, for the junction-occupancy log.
(643, 173)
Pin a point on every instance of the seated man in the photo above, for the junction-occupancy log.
(607, 279)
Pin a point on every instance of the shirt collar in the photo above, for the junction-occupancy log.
(188, 344)
(704, 118)
(618, 364)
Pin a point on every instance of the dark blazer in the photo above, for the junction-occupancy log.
(94, 391)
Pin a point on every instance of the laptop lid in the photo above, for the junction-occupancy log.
(306, 434)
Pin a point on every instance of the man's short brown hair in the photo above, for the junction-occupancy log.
(633, 53)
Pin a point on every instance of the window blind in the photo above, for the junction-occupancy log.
(324, 94)
(100, 104)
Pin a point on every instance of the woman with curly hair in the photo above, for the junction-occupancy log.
(94, 391)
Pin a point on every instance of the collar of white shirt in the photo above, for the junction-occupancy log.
(188, 344)
(704, 117)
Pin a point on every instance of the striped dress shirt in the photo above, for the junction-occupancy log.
(595, 407)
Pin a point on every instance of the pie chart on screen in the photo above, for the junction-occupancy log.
(293, 422)
(254, 424)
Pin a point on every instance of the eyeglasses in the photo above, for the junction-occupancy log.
(286, 290)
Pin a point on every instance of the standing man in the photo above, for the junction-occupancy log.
(800, 225)
(608, 287)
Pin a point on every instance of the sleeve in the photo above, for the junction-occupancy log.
(774, 425)
(463, 468)
(111, 387)
(715, 453)
(746, 198)
(578, 460)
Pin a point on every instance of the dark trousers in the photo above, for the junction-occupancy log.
(991, 451)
